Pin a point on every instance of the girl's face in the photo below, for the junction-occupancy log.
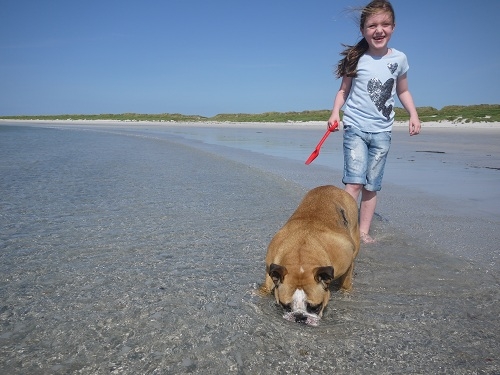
(377, 31)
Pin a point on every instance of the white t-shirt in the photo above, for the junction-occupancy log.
(369, 106)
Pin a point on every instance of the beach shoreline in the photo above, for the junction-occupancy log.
(429, 124)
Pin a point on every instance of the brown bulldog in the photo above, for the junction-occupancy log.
(317, 245)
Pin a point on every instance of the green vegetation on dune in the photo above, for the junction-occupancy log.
(320, 115)
(469, 114)
(114, 117)
(455, 113)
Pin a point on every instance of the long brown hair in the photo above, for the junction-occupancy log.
(348, 65)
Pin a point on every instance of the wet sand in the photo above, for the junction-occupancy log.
(137, 248)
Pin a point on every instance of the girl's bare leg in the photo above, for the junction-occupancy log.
(367, 209)
(368, 204)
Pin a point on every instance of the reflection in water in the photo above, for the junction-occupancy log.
(126, 254)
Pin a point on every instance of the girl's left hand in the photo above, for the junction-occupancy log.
(414, 126)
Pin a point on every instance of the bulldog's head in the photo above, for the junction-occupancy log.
(303, 293)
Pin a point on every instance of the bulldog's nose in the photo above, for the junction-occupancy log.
(300, 318)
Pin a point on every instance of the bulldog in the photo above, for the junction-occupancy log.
(317, 245)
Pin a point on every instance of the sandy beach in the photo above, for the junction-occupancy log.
(138, 247)
(427, 124)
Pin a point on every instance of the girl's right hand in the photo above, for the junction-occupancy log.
(332, 120)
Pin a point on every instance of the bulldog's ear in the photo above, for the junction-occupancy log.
(323, 275)
(277, 273)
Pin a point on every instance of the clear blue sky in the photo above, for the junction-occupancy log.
(227, 56)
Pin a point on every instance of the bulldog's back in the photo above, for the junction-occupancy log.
(322, 230)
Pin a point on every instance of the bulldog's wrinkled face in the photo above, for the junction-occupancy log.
(302, 293)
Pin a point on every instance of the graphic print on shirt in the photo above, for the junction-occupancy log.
(380, 93)
(392, 67)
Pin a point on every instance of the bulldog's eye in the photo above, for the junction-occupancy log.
(286, 306)
(314, 309)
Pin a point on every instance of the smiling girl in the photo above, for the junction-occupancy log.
(372, 73)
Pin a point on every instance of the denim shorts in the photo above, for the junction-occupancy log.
(365, 155)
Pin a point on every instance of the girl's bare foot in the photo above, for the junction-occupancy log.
(366, 238)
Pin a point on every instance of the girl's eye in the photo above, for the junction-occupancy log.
(384, 25)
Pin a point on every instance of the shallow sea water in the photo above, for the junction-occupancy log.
(126, 251)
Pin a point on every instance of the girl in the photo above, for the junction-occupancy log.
(372, 73)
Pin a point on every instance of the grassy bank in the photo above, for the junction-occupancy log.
(473, 113)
